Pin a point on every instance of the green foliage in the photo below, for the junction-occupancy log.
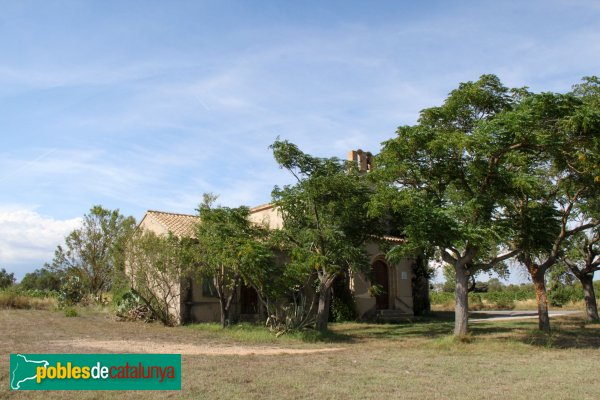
(342, 311)
(475, 301)
(494, 169)
(126, 301)
(449, 278)
(448, 175)
(42, 279)
(6, 279)
(95, 251)
(130, 307)
(325, 218)
(72, 290)
(504, 303)
(503, 299)
(508, 296)
(494, 285)
(438, 298)
(343, 305)
(156, 265)
(71, 312)
(230, 250)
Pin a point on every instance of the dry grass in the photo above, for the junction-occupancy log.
(416, 360)
(10, 299)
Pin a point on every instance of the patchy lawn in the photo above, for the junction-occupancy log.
(413, 360)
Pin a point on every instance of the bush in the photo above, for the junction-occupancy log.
(503, 303)
(129, 307)
(475, 302)
(563, 294)
(42, 279)
(440, 298)
(70, 312)
(6, 279)
(343, 310)
(72, 291)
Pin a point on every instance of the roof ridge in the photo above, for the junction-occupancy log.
(172, 213)
(261, 207)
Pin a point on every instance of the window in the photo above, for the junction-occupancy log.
(208, 288)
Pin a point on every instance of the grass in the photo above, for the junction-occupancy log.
(413, 360)
(520, 305)
(258, 334)
(14, 300)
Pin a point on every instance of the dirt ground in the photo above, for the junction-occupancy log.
(134, 346)
(368, 361)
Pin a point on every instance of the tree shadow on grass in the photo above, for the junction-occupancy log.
(426, 327)
(567, 333)
(313, 336)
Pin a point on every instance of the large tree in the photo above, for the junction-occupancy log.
(95, 251)
(555, 194)
(230, 250)
(6, 279)
(42, 279)
(157, 268)
(446, 176)
(583, 254)
(325, 219)
(583, 260)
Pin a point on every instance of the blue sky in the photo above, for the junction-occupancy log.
(146, 105)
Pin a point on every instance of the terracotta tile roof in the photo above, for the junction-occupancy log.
(261, 207)
(389, 238)
(181, 225)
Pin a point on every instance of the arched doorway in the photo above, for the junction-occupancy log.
(379, 271)
(248, 300)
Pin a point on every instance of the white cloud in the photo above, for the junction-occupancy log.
(28, 239)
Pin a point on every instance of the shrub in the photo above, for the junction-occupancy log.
(6, 279)
(129, 307)
(72, 291)
(504, 303)
(42, 279)
(440, 298)
(475, 302)
(563, 294)
(70, 312)
(342, 310)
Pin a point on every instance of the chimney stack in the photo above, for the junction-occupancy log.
(363, 159)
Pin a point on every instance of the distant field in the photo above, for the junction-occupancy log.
(417, 360)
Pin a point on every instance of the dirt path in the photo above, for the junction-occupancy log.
(129, 346)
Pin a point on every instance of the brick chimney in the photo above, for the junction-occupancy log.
(363, 159)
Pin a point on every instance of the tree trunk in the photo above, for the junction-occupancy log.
(591, 309)
(224, 313)
(323, 309)
(461, 309)
(537, 275)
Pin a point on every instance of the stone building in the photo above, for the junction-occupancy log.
(199, 304)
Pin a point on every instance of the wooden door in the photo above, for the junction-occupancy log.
(248, 300)
(381, 278)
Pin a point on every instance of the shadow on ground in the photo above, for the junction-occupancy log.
(567, 331)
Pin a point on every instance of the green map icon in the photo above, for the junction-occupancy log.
(23, 370)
